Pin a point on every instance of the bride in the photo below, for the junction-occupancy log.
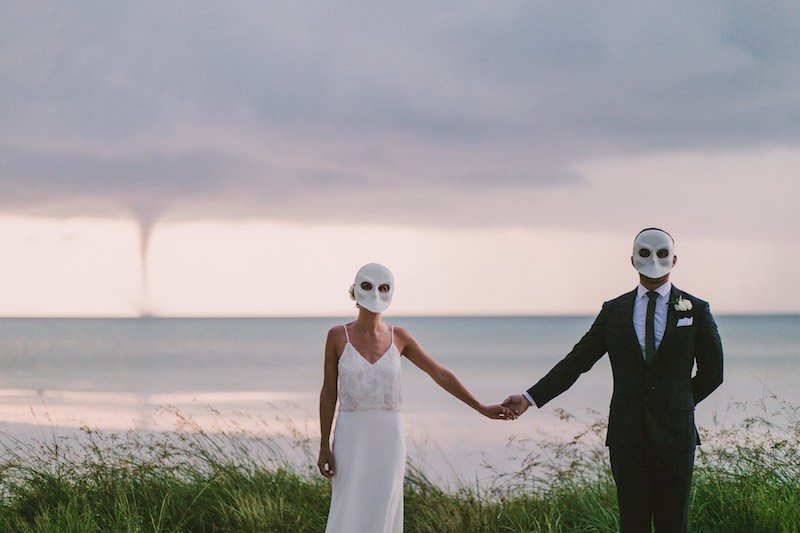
(362, 370)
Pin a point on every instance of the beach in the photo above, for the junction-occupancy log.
(264, 374)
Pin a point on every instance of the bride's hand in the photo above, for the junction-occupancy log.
(498, 412)
(326, 463)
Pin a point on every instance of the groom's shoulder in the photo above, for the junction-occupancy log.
(619, 300)
(624, 297)
(692, 298)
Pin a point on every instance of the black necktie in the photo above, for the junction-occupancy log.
(650, 328)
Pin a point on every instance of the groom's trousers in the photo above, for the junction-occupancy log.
(652, 485)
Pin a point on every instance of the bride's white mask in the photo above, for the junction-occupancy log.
(653, 253)
(370, 288)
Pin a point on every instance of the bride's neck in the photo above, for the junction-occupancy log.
(368, 321)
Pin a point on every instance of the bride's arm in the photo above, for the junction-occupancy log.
(327, 403)
(410, 348)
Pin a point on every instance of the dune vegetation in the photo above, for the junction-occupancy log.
(747, 479)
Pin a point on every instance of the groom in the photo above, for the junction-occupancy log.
(653, 335)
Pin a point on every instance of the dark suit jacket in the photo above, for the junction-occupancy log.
(651, 405)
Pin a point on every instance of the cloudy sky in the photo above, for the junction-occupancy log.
(499, 157)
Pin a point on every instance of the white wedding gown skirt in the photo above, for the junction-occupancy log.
(370, 456)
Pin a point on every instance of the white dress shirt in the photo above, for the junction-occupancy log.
(640, 318)
(660, 318)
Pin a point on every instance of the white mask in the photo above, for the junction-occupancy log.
(646, 248)
(369, 280)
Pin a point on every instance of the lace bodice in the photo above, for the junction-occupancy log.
(363, 385)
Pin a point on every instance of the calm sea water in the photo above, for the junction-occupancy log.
(58, 374)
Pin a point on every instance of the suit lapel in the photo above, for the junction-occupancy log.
(630, 331)
(669, 329)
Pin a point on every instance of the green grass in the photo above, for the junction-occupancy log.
(746, 480)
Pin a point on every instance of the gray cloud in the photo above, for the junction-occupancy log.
(274, 109)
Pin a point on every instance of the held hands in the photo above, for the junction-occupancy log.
(326, 463)
(517, 402)
(497, 412)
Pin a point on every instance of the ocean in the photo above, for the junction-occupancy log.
(57, 375)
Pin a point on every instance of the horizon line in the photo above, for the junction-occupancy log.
(334, 316)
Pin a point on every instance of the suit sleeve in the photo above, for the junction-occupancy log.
(583, 356)
(708, 357)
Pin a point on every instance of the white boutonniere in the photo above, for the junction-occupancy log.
(682, 304)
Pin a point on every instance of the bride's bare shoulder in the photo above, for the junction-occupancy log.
(402, 332)
(403, 338)
(336, 335)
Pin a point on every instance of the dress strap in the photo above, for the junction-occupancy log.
(392, 334)
(345, 333)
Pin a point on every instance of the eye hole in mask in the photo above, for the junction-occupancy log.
(662, 253)
(383, 288)
(367, 286)
(644, 252)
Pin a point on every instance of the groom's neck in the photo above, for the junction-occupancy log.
(652, 284)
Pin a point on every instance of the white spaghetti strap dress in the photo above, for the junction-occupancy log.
(369, 447)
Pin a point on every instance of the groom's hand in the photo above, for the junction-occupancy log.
(498, 412)
(517, 402)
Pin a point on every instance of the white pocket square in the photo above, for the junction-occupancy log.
(685, 321)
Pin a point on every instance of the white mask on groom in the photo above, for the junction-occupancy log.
(653, 253)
